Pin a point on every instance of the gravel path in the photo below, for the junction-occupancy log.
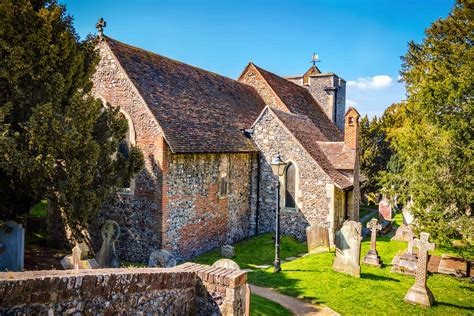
(294, 305)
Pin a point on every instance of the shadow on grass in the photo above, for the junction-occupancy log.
(371, 276)
(469, 308)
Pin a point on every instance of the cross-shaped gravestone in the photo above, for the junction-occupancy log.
(100, 27)
(419, 293)
(372, 257)
(107, 258)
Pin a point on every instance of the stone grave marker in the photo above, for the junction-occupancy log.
(226, 263)
(107, 257)
(372, 257)
(161, 259)
(79, 259)
(348, 249)
(318, 238)
(385, 209)
(407, 214)
(419, 293)
(12, 249)
(406, 262)
(227, 251)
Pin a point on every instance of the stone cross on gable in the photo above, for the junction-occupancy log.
(374, 226)
(100, 27)
(419, 293)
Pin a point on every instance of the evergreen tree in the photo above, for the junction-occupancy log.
(374, 153)
(434, 144)
(56, 140)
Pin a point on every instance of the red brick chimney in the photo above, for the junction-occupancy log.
(351, 128)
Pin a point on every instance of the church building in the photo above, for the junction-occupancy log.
(208, 142)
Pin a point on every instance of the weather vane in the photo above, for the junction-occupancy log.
(315, 59)
(100, 27)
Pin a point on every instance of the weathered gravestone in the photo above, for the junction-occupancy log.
(372, 257)
(406, 262)
(226, 263)
(348, 249)
(161, 259)
(107, 257)
(419, 293)
(318, 238)
(385, 209)
(227, 251)
(404, 231)
(79, 259)
(12, 249)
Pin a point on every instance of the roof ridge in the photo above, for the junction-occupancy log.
(174, 60)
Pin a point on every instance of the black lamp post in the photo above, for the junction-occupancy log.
(278, 167)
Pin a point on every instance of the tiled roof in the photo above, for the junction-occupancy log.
(341, 157)
(300, 101)
(199, 111)
(307, 134)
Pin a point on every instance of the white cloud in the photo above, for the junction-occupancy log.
(375, 82)
(350, 102)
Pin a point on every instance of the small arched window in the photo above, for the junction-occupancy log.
(290, 186)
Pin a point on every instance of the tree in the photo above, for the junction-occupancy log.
(56, 140)
(375, 152)
(434, 144)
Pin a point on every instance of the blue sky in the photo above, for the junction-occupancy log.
(361, 41)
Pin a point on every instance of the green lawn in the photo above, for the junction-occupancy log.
(260, 306)
(378, 291)
(256, 251)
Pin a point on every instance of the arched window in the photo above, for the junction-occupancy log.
(290, 186)
(124, 150)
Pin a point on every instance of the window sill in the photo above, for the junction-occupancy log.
(290, 209)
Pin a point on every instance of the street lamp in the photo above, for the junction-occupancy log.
(278, 167)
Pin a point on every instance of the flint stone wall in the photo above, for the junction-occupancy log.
(195, 218)
(139, 234)
(314, 191)
(190, 289)
(98, 291)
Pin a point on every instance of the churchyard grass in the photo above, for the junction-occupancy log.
(378, 291)
(260, 306)
(257, 251)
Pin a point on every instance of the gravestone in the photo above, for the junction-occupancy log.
(226, 263)
(372, 257)
(79, 259)
(407, 214)
(227, 251)
(419, 293)
(403, 233)
(161, 259)
(318, 238)
(12, 252)
(385, 209)
(406, 262)
(107, 257)
(348, 249)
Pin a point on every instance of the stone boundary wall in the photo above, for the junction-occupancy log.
(189, 289)
(220, 289)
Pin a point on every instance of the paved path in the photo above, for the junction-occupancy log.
(294, 305)
(367, 216)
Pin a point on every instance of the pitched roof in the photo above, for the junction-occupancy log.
(198, 111)
(306, 133)
(300, 101)
(340, 156)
